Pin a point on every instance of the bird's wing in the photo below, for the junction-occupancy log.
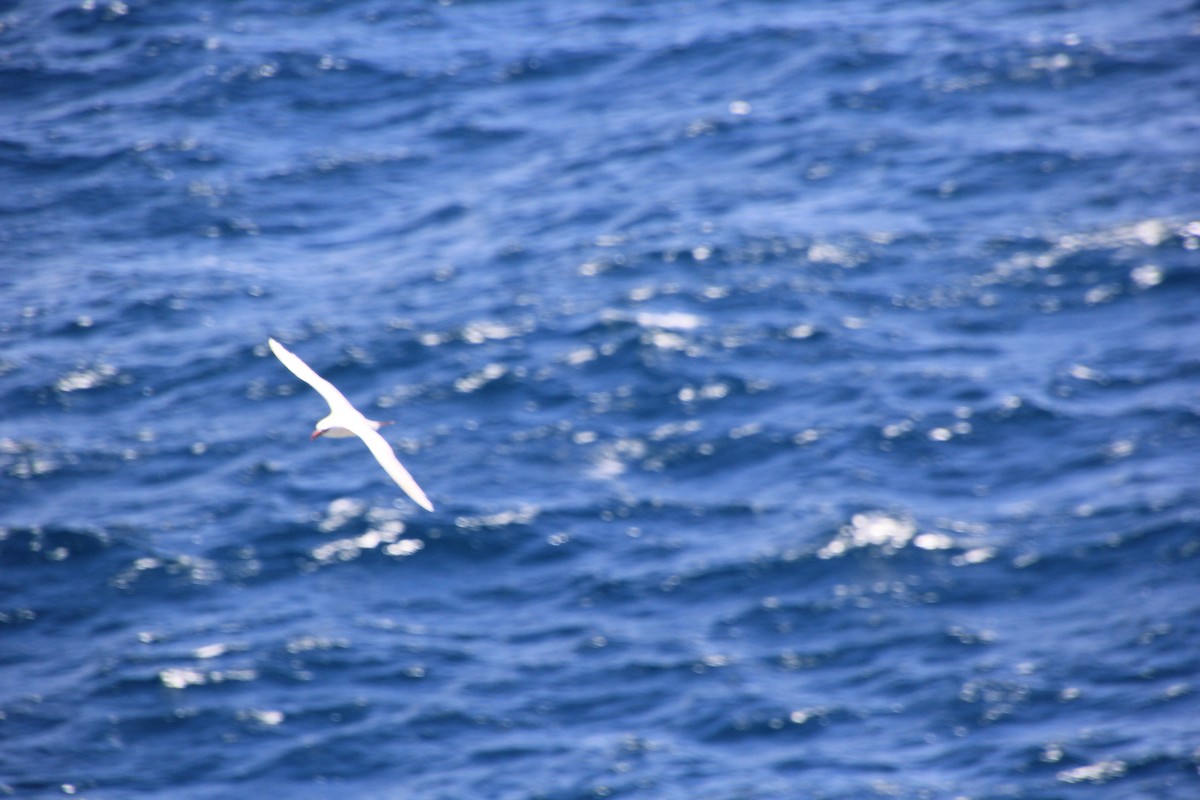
(387, 459)
(336, 400)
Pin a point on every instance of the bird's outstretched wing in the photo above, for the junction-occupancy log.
(336, 400)
(387, 459)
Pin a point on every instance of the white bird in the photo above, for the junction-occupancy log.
(344, 420)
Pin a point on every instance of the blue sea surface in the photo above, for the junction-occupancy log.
(809, 394)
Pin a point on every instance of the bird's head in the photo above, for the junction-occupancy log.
(323, 427)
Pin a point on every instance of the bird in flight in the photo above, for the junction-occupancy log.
(344, 420)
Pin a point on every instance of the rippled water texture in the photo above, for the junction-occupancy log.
(809, 393)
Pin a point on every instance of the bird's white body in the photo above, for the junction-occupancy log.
(329, 427)
(344, 421)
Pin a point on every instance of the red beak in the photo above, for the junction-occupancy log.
(315, 434)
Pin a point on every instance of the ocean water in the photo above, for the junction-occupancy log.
(809, 393)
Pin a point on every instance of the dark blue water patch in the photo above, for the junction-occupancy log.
(716, 53)
(29, 160)
(573, 63)
(56, 576)
(42, 546)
